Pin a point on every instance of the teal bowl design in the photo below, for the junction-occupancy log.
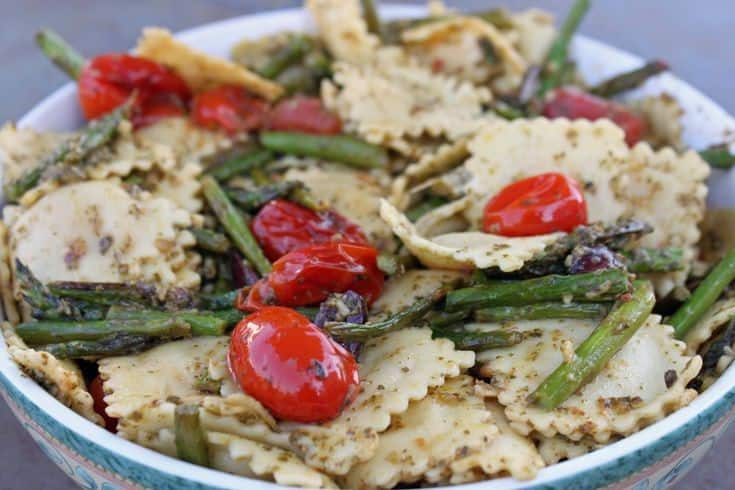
(651, 459)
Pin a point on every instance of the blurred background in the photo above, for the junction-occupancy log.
(696, 38)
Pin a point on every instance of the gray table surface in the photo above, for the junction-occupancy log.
(695, 37)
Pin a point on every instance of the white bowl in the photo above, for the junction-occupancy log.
(652, 458)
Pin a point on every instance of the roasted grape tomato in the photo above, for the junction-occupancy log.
(291, 366)
(573, 103)
(230, 108)
(303, 114)
(282, 227)
(108, 80)
(99, 405)
(307, 276)
(155, 107)
(535, 206)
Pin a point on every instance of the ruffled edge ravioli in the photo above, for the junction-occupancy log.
(62, 379)
(392, 100)
(422, 442)
(394, 369)
(634, 389)
(96, 231)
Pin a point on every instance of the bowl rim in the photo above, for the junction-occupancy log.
(164, 464)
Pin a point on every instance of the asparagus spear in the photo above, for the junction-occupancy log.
(74, 150)
(119, 344)
(719, 156)
(211, 241)
(624, 320)
(60, 52)
(220, 301)
(372, 20)
(704, 296)
(441, 319)
(617, 236)
(294, 50)
(337, 148)
(541, 311)
(654, 259)
(191, 444)
(629, 80)
(42, 302)
(420, 209)
(234, 224)
(559, 52)
(201, 323)
(55, 331)
(479, 341)
(106, 294)
(241, 164)
(343, 331)
(252, 200)
(592, 287)
(507, 111)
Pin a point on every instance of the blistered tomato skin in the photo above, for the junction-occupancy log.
(229, 108)
(573, 103)
(98, 398)
(292, 367)
(282, 227)
(307, 276)
(305, 115)
(109, 80)
(537, 205)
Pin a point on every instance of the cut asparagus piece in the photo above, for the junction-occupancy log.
(339, 148)
(74, 150)
(623, 321)
(617, 236)
(61, 53)
(43, 303)
(654, 259)
(429, 204)
(51, 332)
(479, 341)
(233, 222)
(253, 200)
(719, 156)
(411, 316)
(541, 311)
(241, 164)
(370, 15)
(191, 444)
(221, 301)
(556, 59)
(291, 53)
(441, 319)
(594, 287)
(106, 294)
(629, 80)
(121, 344)
(704, 296)
(211, 241)
(201, 323)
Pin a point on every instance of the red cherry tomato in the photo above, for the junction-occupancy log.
(155, 107)
(282, 227)
(291, 366)
(98, 397)
(573, 103)
(305, 115)
(307, 276)
(537, 205)
(109, 79)
(230, 108)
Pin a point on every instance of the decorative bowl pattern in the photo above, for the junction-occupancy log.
(652, 459)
